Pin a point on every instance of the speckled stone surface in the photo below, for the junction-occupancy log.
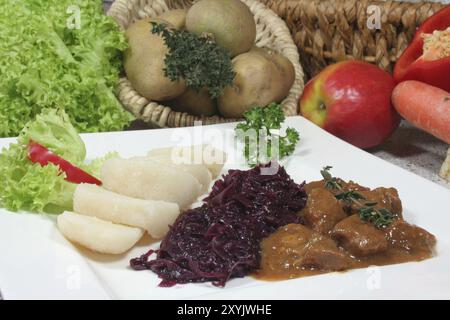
(415, 151)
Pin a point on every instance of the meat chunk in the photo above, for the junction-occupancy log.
(322, 211)
(351, 185)
(293, 238)
(385, 198)
(403, 235)
(295, 247)
(359, 238)
(314, 185)
(323, 254)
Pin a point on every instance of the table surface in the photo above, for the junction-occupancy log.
(416, 151)
(411, 149)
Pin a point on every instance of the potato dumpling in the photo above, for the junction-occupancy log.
(97, 234)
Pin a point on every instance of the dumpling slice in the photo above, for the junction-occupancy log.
(96, 234)
(212, 158)
(154, 216)
(199, 171)
(150, 180)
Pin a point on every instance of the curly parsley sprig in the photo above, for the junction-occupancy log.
(263, 122)
(379, 217)
(196, 59)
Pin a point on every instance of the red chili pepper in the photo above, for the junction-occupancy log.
(39, 154)
(411, 66)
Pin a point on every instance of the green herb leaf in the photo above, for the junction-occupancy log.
(370, 204)
(330, 181)
(349, 196)
(288, 142)
(196, 59)
(368, 212)
(262, 122)
(325, 172)
(379, 218)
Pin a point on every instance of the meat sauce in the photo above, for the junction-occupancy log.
(334, 238)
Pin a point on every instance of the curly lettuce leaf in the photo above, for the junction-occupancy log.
(31, 187)
(52, 129)
(46, 64)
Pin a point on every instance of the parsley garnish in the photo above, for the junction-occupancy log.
(262, 122)
(368, 212)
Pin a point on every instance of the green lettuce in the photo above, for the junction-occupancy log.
(53, 129)
(31, 187)
(46, 64)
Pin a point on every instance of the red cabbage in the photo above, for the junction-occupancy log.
(221, 239)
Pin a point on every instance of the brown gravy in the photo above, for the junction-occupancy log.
(332, 241)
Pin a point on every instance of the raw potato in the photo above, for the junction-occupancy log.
(150, 215)
(98, 235)
(150, 180)
(262, 77)
(199, 171)
(144, 63)
(212, 158)
(284, 66)
(230, 22)
(195, 103)
(176, 17)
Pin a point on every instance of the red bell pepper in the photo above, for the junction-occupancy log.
(413, 66)
(39, 154)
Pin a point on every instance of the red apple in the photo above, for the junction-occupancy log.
(352, 100)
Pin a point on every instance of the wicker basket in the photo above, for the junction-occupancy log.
(327, 31)
(271, 32)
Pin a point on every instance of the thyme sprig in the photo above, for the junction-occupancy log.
(197, 59)
(379, 217)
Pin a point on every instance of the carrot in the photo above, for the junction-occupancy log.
(425, 106)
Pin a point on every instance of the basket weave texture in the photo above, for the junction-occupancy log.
(272, 32)
(328, 31)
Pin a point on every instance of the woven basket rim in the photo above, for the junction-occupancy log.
(158, 115)
(330, 31)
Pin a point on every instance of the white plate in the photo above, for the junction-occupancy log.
(37, 262)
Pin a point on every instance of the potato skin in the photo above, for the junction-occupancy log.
(229, 21)
(176, 17)
(195, 103)
(144, 63)
(284, 65)
(262, 77)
